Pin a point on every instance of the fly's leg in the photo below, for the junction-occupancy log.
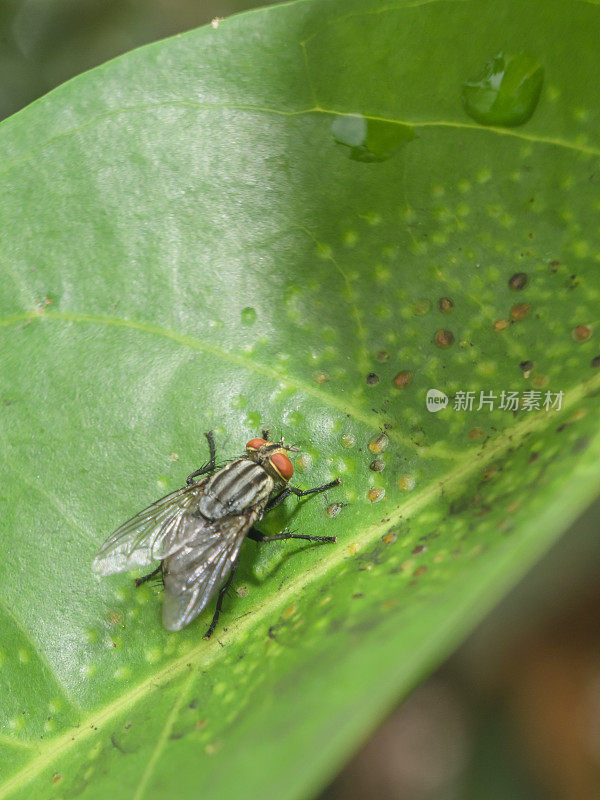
(209, 467)
(275, 501)
(316, 490)
(260, 537)
(144, 578)
(221, 595)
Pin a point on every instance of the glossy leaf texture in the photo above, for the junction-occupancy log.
(288, 220)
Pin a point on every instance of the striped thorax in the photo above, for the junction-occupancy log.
(236, 488)
(248, 481)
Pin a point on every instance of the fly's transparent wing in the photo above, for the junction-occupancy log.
(153, 534)
(194, 574)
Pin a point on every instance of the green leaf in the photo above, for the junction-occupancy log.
(191, 239)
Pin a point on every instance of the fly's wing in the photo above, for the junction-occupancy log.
(193, 575)
(153, 534)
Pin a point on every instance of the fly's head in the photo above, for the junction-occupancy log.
(272, 457)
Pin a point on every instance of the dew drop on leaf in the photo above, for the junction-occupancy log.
(249, 315)
(370, 140)
(506, 92)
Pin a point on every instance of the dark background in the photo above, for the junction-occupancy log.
(515, 713)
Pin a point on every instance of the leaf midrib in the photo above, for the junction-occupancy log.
(207, 652)
(316, 109)
(238, 359)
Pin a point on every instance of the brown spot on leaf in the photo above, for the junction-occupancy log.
(443, 338)
(520, 311)
(581, 333)
(402, 379)
(501, 324)
(445, 305)
(377, 465)
(383, 355)
(518, 281)
(490, 472)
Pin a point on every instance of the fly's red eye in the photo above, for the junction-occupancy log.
(282, 465)
(255, 444)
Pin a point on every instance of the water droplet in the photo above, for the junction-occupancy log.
(370, 140)
(406, 483)
(507, 91)
(375, 494)
(253, 420)
(249, 315)
(379, 443)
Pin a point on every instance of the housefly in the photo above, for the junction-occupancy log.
(196, 532)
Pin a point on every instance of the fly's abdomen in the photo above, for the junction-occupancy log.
(235, 488)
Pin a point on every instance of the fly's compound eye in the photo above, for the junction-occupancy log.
(255, 444)
(282, 465)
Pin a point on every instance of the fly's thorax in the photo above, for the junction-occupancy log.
(235, 488)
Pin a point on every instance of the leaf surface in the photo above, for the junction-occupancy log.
(286, 221)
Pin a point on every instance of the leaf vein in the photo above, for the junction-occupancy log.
(315, 391)
(161, 741)
(39, 655)
(258, 109)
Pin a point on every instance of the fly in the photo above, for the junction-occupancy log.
(196, 532)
